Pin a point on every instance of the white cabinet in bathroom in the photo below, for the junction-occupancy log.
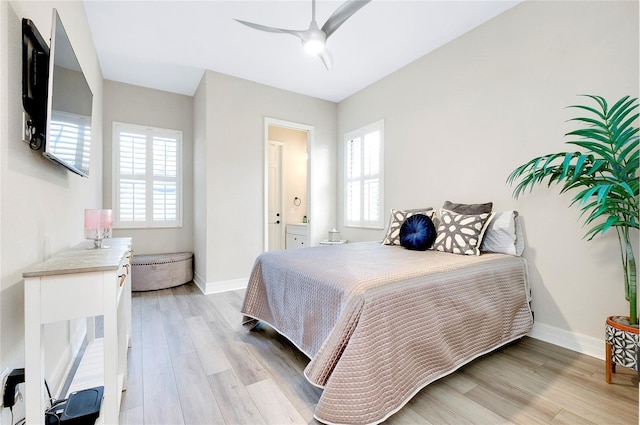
(297, 236)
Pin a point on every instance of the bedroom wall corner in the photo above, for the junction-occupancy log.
(235, 110)
(200, 178)
(155, 108)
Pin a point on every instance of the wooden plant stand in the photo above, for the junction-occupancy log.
(621, 345)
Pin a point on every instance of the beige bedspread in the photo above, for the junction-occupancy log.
(381, 322)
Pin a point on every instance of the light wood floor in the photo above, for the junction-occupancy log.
(192, 362)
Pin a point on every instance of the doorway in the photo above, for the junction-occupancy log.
(287, 181)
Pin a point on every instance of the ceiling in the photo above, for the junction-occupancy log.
(167, 45)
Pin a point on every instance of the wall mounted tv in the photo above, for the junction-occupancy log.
(62, 107)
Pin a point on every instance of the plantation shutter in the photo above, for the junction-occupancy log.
(363, 177)
(148, 177)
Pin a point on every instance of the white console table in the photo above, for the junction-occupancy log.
(80, 282)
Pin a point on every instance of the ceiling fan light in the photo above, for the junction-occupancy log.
(314, 47)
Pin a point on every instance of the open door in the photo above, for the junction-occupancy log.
(286, 180)
(275, 213)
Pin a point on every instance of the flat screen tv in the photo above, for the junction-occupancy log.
(69, 105)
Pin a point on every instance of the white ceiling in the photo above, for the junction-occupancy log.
(167, 45)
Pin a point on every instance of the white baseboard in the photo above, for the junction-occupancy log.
(583, 344)
(202, 285)
(220, 286)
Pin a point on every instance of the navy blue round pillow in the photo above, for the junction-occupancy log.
(418, 233)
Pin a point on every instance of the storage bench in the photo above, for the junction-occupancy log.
(161, 271)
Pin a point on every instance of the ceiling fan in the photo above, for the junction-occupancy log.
(314, 38)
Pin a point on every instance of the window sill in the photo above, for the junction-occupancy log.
(355, 226)
(168, 227)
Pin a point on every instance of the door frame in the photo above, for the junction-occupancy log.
(268, 121)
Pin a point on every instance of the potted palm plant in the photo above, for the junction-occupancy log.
(604, 174)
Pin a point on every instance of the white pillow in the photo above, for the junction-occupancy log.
(519, 235)
(504, 234)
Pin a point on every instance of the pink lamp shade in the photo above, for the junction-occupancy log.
(97, 225)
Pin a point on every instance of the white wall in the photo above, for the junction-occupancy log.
(460, 119)
(42, 203)
(154, 108)
(235, 110)
(200, 177)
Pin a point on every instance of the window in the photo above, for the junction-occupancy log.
(147, 177)
(363, 189)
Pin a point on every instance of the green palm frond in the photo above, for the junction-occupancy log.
(604, 174)
(606, 169)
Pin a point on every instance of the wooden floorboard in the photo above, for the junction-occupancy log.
(160, 394)
(192, 362)
(196, 398)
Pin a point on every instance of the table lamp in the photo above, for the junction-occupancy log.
(97, 226)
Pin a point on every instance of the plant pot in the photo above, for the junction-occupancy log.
(621, 342)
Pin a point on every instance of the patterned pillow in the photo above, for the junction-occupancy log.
(461, 233)
(395, 222)
(417, 233)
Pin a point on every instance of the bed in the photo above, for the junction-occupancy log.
(380, 322)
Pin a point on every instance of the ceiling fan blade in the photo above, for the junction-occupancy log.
(271, 29)
(326, 58)
(341, 14)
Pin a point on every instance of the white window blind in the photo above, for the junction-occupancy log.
(148, 176)
(364, 184)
